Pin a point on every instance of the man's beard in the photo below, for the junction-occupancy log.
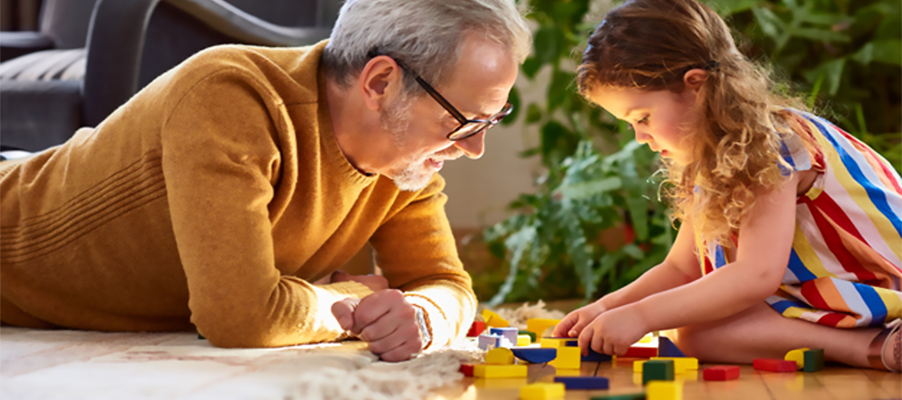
(415, 175)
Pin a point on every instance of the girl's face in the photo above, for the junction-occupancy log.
(662, 119)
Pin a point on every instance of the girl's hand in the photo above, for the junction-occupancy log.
(574, 322)
(614, 331)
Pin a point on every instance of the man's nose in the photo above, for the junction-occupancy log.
(473, 146)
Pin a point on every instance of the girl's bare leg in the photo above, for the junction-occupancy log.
(760, 332)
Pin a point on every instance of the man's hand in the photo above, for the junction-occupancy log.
(385, 320)
(374, 282)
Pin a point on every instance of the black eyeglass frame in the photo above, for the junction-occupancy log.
(461, 119)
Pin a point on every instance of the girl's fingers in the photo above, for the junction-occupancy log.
(598, 343)
(585, 340)
(563, 327)
(578, 327)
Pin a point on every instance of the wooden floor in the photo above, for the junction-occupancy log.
(834, 382)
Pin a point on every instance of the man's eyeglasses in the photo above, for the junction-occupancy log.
(467, 127)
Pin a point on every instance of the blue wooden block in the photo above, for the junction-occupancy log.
(582, 382)
(535, 355)
(666, 348)
(596, 356)
(488, 341)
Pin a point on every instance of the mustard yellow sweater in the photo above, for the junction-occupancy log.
(210, 201)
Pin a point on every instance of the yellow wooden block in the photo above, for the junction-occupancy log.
(567, 358)
(637, 366)
(500, 383)
(554, 343)
(664, 390)
(646, 339)
(523, 340)
(499, 356)
(567, 372)
(542, 391)
(681, 364)
(499, 371)
(797, 355)
(539, 325)
(494, 320)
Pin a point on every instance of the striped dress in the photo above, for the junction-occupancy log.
(844, 269)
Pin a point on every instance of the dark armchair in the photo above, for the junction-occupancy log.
(129, 43)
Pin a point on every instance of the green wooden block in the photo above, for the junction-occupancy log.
(631, 396)
(200, 337)
(532, 335)
(814, 360)
(657, 370)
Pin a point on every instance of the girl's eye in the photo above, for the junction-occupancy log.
(644, 120)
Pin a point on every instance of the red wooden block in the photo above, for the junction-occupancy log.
(721, 373)
(641, 352)
(476, 329)
(466, 369)
(775, 365)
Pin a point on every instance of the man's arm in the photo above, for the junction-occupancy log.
(417, 253)
(221, 163)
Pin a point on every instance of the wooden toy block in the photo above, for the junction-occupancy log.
(554, 342)
(499, 356)
(770, 364)
(476, 329)
(630, 396)
(466, 369)
(721, 373)
(499, 371)
(814, 360)
(583, 382)
(681, 364)
(487, 342)
(567, 358)
(539, 325)
(535, 355)
(666, 348)
(523, 340)
(508, 333)
(637, 366)
(595, 356)
(641, 352)
(494, 320)
(657, 370)
(532, 335)
(542, 391)
(200, 337)
(646, 339)
(664, 390)
(797, 355)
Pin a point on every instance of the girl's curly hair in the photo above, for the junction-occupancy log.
(650, 45)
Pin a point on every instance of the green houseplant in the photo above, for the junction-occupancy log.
(596, 176)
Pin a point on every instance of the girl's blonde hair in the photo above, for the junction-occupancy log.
(650, 45)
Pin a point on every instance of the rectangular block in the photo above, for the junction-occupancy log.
(664, 390)
(657, 370)
(532, 335)
(681, 364)
(721, 373)
(499, 371)
(466, 369)
(488, 342)
(629, 396)
(542, 391)
(583, 382)
(641, 352)
(508, 333)
(554, 343)
(595, 356)
(567, 358)
(814, 360)
(769, 364)
(637, 366)
(523, 340)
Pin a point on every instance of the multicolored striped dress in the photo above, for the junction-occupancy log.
(844, 269)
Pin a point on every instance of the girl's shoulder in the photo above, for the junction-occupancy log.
(799, 144)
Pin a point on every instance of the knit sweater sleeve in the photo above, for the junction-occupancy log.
(416, 252)
(221, 163)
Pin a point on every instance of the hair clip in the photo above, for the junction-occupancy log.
(711, 65)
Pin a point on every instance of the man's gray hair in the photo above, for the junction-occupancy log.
(425, 35)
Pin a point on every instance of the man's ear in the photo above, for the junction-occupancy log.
(379, 80)
(694, 79)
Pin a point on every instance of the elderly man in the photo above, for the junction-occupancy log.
(217, 196)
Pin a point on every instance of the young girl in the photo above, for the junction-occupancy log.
(790, 227)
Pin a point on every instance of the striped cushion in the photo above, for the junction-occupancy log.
(46, 65)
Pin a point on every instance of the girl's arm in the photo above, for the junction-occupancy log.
(680, 267)
(765, 242)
